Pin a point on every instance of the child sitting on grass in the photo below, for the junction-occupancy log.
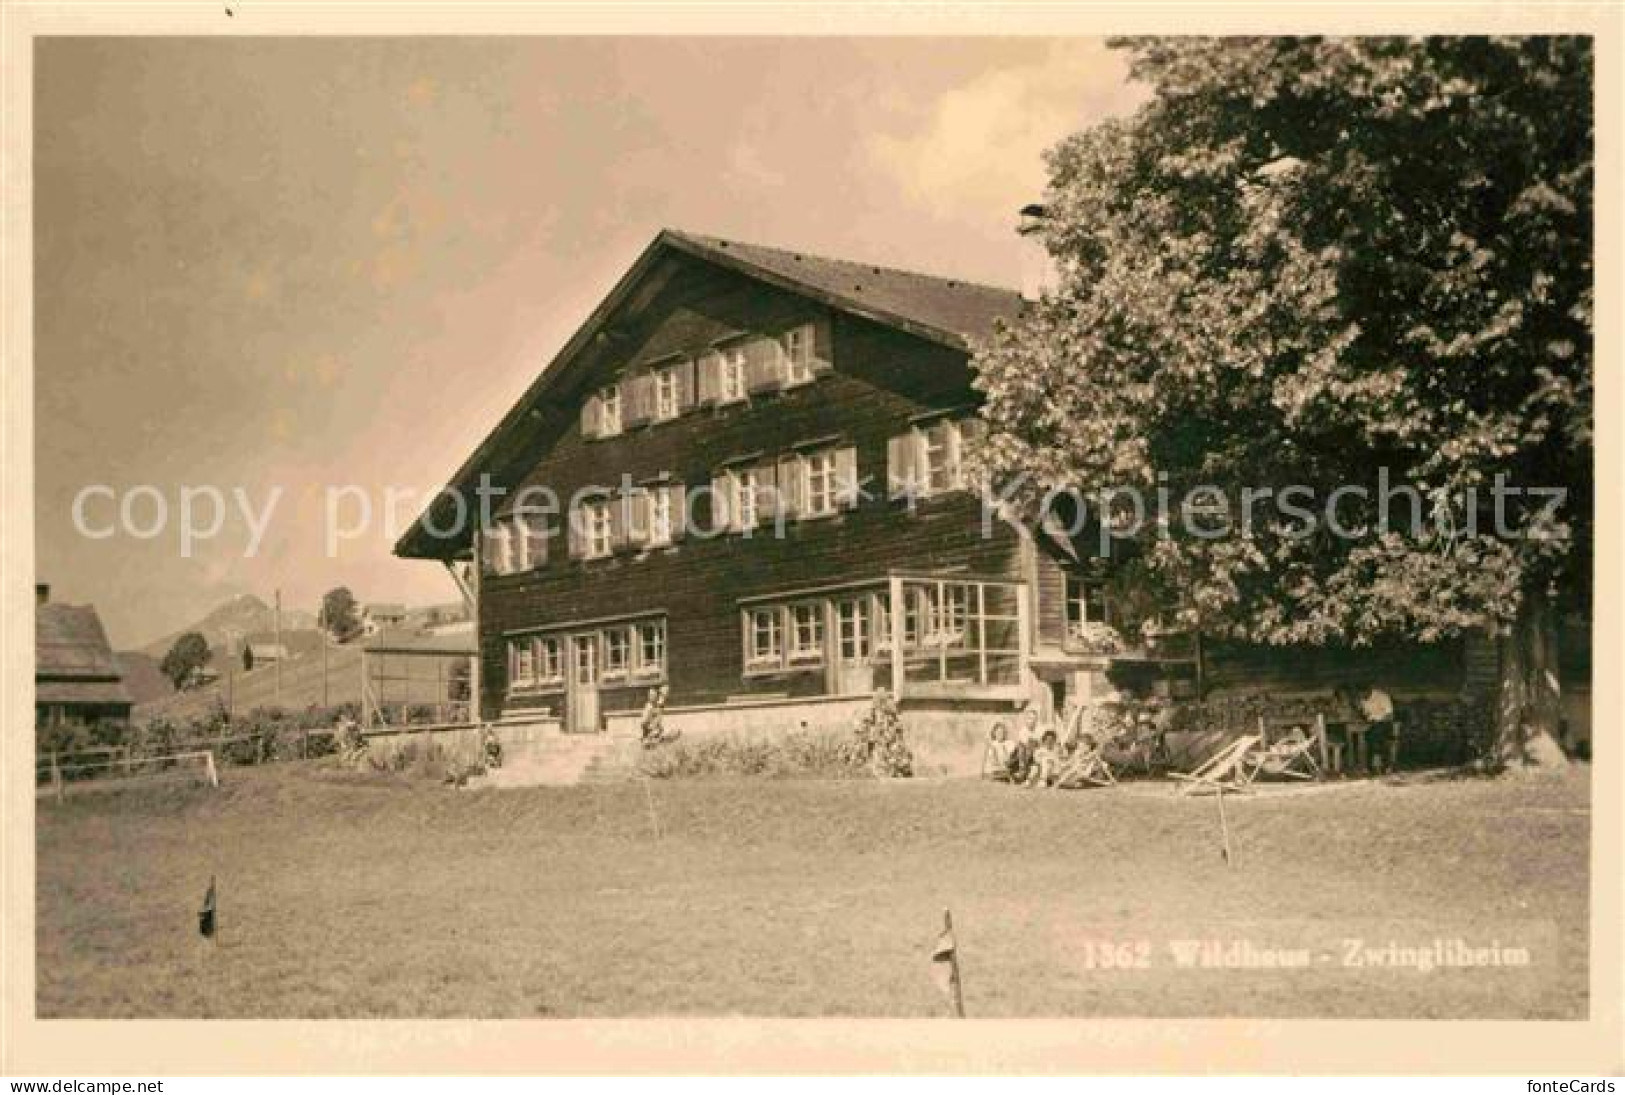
(1046, 762)
(996, 760)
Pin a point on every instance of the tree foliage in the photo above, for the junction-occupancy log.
(186, 656)
(340, 616)
(1305, 260)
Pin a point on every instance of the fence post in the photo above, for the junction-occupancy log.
(214, 775)
(56, 776)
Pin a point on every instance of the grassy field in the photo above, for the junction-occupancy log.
(349, 896)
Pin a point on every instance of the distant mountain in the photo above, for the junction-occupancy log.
(143, 680)
(242, 615)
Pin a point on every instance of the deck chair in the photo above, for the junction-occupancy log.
(1086, 768)
(1290, 757)
(1225, 770)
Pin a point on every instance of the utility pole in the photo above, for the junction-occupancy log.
(277, 618)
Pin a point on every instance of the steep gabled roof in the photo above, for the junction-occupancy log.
(73, 661)
(944, 310)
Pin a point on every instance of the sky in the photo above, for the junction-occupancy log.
(280, 271)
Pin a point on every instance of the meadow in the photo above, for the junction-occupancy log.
(363, 896)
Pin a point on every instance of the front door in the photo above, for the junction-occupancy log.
(850, 651)
(581, 694)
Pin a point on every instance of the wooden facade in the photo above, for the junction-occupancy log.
(634, 572)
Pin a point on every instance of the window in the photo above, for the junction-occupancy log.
(549, 661)
(732, 379)
(822, 493)
(597, 532)
(852, 618)
(929, 459)
(913, 600)
(665, 381)
(882, 612)
(939, 463)
(526, 535)
(586, 658)
(798, 354)
(748, 482)
(766, 642)
(617, 652)
(1085, 603)
(949, 609)
(651, 648)
(497, 548)
(609, 411)
(659, 516)
(521, 663)
(807, 631)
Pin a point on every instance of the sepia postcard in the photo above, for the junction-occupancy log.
(633, 546)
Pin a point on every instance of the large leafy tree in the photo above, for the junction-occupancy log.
(187, 654)
(1329, 263)
(339, 616)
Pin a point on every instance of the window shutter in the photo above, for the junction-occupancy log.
(846, 477)
(823, 356)
(790, 481)
(768, 501)
(488, 554)
(902, 464)
(635, 507)
(708, 378)
(972, 432)
(535, 526)
(764, 370)
(618, 514)
(678, 510)
(685, 385)
(722, 502)
(591, 413)
(577, 532)
(637, 403)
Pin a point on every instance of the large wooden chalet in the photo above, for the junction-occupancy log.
(719, 380)
(714, 371)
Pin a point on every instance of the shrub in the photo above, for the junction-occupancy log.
(803, 754)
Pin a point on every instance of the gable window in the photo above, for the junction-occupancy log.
(665, 393)
(807, 631)
(798, 354)
(617, 652)
(821, 493)
(496, 549)
(597, 530)
(609, 411)
(1085, 603)
(765, 645)
(526, 535)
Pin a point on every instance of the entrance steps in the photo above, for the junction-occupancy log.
(555, 759)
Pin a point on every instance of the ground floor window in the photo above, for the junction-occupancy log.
(1085, 604)
(807, 631)
(604, 653)
(954, 631)
(852, 615)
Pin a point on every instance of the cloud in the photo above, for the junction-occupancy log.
(978, 150)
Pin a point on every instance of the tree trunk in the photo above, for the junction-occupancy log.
(1528, 706)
